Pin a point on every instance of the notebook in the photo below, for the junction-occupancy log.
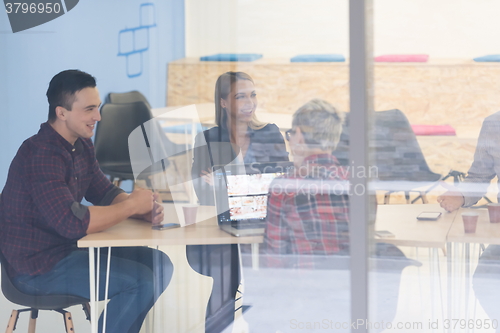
(241, 192)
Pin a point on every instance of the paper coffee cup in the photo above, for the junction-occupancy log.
(494, 212)
(470, 222)
(190, 211)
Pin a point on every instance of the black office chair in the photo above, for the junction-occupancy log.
(136, 96)
(36, 303)
(112, 140)
(127, 97)
(395, 151)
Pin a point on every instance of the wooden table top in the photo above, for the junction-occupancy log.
(132, 232)
(398, 219)
(401, 220)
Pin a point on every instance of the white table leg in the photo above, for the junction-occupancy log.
(432, 282)
(98, 276)
(436, 255)
(93, 300)
(108, 264)
(192, 195)
(467, 282)
(98, 281)
(255, 256)
(449, 277)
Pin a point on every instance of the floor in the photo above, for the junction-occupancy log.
(318, 301)
(48, 321)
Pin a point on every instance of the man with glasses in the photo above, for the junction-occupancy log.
(308, 209)
(307, 236)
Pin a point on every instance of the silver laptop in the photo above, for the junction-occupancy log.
(241, 192)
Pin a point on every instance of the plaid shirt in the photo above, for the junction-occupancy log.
(41, 217)
(308, 212)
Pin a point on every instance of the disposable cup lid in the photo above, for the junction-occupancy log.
(470, 214)
(190, 205)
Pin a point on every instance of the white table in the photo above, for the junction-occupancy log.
(133, 232)
(398, 219)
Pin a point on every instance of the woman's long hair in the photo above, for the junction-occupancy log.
(222, 90)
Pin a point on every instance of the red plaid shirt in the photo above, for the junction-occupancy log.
(308, 212)
(41, 217)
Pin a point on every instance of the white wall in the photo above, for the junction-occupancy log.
(284, 28)
(85, 38)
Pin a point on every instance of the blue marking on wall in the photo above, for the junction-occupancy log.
(133, 42)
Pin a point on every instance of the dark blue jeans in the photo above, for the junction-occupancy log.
(138, 276)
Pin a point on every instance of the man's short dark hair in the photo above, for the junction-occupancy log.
(62, 89)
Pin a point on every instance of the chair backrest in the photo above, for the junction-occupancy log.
(111, 139)
(135, 96)
(393, 148)
(127, 97)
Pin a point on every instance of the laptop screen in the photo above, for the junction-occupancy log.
(245, 190)
(247, 195)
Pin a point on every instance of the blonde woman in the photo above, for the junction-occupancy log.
(239, 136)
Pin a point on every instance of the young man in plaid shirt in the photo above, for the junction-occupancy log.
(42, 218)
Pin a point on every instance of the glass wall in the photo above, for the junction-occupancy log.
(431, 148)
(330, 162)
(270, 83)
